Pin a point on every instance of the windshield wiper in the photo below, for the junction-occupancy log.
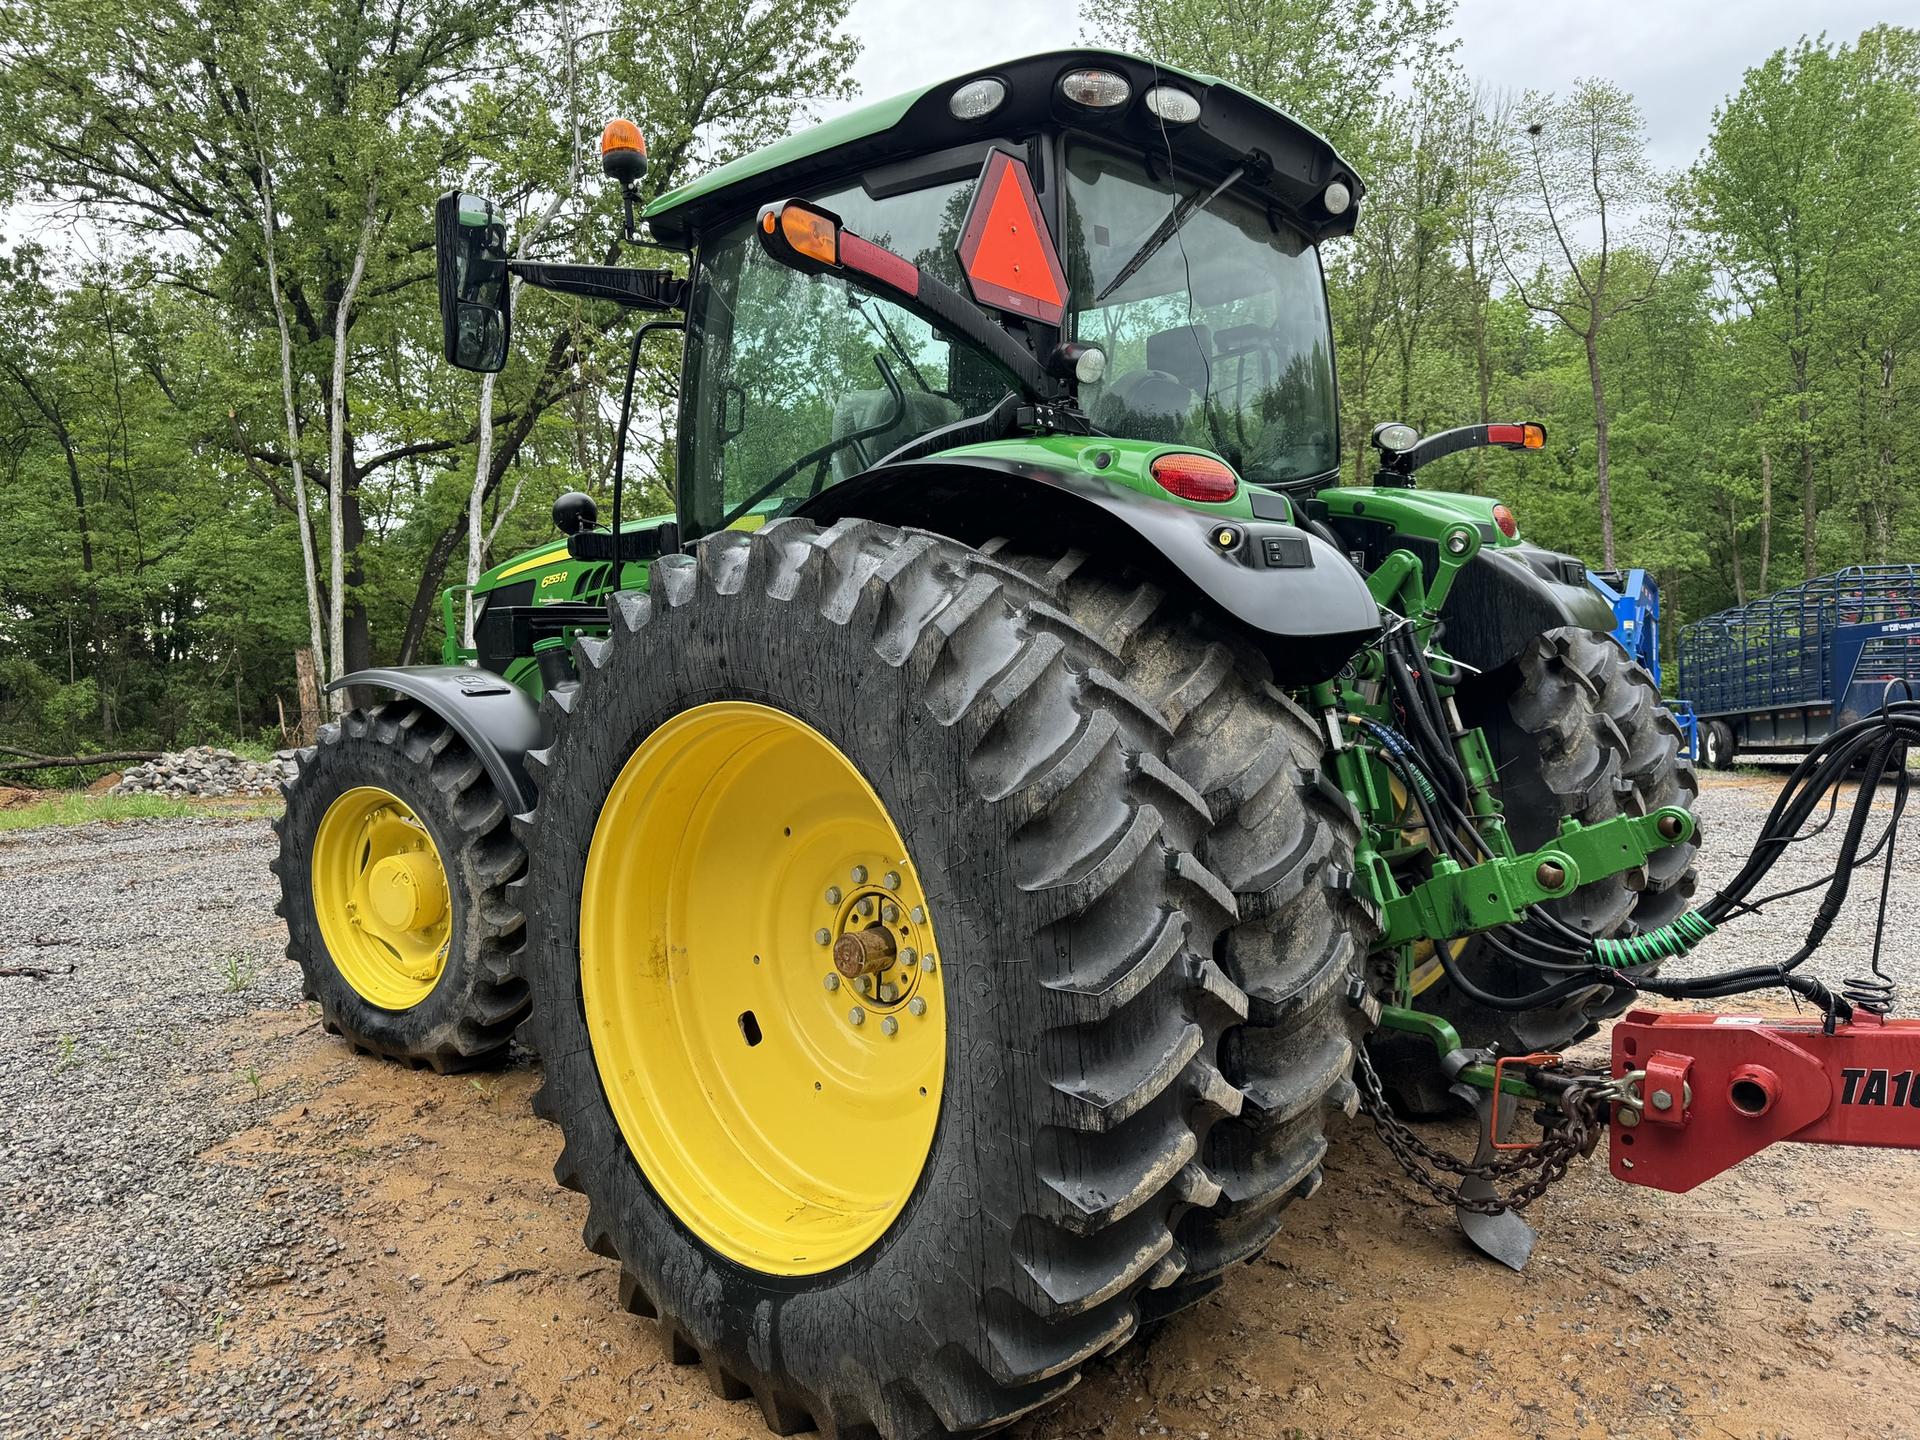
(1165, 231)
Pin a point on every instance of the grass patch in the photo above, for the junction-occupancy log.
(72, 808)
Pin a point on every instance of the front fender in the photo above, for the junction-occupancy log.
(1504, 597)
(1294, 596)
(497, 720)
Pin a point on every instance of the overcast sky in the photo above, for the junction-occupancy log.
(1679, 58)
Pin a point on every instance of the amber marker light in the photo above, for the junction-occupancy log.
(623, 151)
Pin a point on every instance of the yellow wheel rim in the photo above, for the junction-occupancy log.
(380, 894)
(781, 1108)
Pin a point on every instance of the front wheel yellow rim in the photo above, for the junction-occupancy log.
(763, 988)
(380, 895)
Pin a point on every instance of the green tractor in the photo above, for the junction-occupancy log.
(955, 867)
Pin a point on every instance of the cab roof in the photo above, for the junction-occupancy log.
(1286, 162)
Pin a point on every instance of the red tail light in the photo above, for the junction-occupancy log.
(1196, 477)
(1509, 526)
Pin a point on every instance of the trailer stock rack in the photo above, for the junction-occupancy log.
(1782, 672)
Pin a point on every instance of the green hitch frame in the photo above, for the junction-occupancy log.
(1458, 900)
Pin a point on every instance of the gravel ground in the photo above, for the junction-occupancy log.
(134, 1241)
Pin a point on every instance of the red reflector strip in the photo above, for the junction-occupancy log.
(1005, 250)
(1195, 477)
(1506, 435)
(870, 259)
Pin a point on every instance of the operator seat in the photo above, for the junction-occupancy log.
(1153, 403)
(860, 410)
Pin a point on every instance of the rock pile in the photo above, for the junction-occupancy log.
(205, 770)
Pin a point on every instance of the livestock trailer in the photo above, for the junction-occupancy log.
(1783, 672)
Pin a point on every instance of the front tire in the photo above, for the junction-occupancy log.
(395, 853)
(1576, 729)
(1060, 858)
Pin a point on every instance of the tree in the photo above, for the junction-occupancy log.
(1327, 62)
(1586, 192)
(1807, 189)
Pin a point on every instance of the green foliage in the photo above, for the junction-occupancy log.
(1761, 391)
(151, 586)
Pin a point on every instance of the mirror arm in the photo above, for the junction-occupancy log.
(638, 289)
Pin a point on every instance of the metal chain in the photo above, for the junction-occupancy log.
(1571, 1130)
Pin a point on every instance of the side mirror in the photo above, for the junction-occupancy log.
(470, 253)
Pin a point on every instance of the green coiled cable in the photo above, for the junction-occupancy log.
(1667, 942)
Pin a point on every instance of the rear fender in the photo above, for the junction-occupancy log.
(497, 720)
(1293, 595)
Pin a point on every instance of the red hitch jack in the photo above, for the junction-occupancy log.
(1704, 1092)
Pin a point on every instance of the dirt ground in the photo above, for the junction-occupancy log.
(1778, 1301)
(452, 1294)
(221, 1223)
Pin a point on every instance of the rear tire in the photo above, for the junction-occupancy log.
(1576, 729)
(406, 751)
(1031, 779)
(1285, 844)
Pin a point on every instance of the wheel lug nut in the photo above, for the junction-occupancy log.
(823, 936)
(831, 981)
(889, 1025)
(864, 984)
(889, 914)
(926, 963)
(891, 880)
(917, 1005)
(918, 914)
(907, 956)
(856, 1016)
(888, 994)
(833, 894)
(859, 874)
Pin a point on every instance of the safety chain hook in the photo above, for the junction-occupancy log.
(1571, 1130)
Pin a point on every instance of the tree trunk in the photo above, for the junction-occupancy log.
(1603, 481)
(1885, 485)
(1733, 552)
(336, 451)
(306, 672)
(477, 539)
(303, 517)
(1809, 525)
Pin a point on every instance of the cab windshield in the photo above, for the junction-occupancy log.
(1212, 313)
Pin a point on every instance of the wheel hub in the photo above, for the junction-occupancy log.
(407, 892)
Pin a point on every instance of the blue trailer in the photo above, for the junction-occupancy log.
(1783, 672)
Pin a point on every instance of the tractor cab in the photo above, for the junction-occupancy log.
(1027, 299)
(1133, 250)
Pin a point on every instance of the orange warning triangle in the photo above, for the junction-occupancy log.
(1005, 250)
